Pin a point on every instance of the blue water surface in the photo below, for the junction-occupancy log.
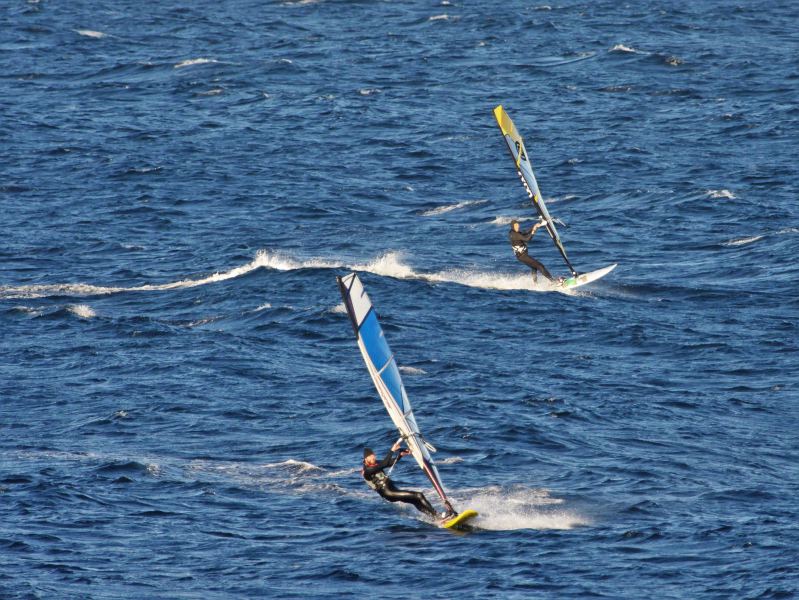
(182, 402)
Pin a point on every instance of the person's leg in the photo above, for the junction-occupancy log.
(534, 265)
(393, 494)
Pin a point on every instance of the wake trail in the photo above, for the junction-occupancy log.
(391, 265)
(439, 210)
(387, 265)
(501, 509)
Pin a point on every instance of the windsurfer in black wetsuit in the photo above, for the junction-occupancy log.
(518, 241)
(376, 479)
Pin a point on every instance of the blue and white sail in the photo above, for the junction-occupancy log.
(525, 170)
(382, 367)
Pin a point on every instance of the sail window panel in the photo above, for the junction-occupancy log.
(391, 378)
(374, 342)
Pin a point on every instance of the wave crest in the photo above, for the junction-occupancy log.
(389, 264)
(438, 210)
(720, 194)
(84, 311)
(195, 61)
(743, 241)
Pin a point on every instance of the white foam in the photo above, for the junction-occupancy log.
(622, 48)
(501, 220)
(84, 311)
(412, 370)
(720, 194)
(439, 18)
(57, 289)
(295, 465)
(439, 210)
(263, 307)
(29, 310)
(200, 322)
(91, 33)
(389, 264)
(743, 241)
(788, 230)
(519, 508)
(339, 309)
(145, 170)
(194, 61)
(262, 258)
(492, 280)
(369, 91)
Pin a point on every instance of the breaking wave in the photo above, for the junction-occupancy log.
(412, 370)
(338, 309)
(388, 265)
(502, 220)
(91, 33)
(743, 241)
(720, 194)
(262, 259)
(84, 311)
(438, 210)
(194, 61)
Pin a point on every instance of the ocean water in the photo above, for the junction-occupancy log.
(182, 403)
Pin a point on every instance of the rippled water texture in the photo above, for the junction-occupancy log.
(183, 405)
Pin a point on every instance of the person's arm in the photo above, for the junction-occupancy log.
(534, 228)
(388, 461)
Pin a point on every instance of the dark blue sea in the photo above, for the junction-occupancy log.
(183, 406)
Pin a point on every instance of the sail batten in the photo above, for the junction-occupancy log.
(524, 169)
(387, 380)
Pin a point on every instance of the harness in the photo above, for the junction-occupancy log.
(377, 482)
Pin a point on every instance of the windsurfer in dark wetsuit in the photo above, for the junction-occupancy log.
(518, 241)
(372, 472)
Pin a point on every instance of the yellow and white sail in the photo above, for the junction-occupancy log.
(525, 170)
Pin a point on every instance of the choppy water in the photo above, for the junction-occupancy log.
(183, 405)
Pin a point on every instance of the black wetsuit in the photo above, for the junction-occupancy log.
(381, 483)
(518, 241)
